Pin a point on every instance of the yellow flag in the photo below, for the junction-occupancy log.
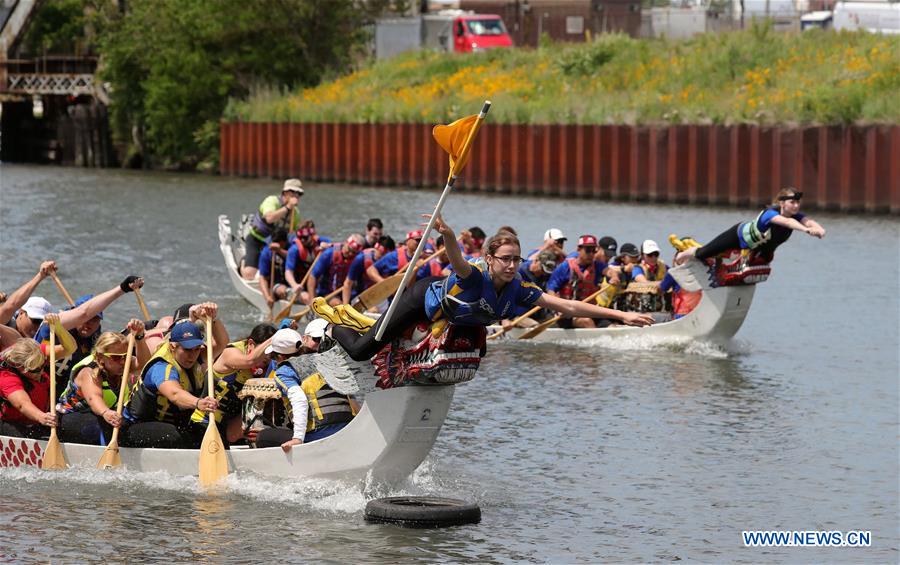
(452, 138)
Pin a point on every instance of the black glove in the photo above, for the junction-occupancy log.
(126, 284)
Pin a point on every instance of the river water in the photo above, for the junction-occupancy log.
(625, 452)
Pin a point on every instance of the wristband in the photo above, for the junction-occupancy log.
(126, 284)
(197, 406)
(139, 337)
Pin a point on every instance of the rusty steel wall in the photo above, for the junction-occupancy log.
(850, 168)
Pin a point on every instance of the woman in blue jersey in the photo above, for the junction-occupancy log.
(772, 227)
(477, 293)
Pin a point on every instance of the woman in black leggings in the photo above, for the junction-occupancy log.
(772, 227)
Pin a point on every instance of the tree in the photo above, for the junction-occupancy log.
(173, 64)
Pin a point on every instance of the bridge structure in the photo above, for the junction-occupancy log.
(52, 107)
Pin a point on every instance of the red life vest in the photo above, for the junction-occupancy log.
(339, 267)
(402, 259)
(582, 283)
(435, 268)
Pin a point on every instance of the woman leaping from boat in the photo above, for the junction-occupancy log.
(772, 227)
(477, 293)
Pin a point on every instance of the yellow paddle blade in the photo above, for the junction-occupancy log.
(110, 457)
(213, 464)
(53, 458)
(539, 329)
(378, 293)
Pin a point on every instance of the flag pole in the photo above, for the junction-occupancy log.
(451, 179)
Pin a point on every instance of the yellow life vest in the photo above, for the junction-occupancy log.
(326, 406)
(226, 383)
(660, 270)
(142, 405)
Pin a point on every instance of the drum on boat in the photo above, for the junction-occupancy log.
(644, 298)
(262, 406)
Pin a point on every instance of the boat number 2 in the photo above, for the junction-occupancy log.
(426, 415)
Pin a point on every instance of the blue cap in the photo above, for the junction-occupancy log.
(186, 334)
(82, 299)
(285, 323)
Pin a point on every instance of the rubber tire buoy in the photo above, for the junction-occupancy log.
(422, 511)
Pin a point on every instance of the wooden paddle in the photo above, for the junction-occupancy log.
(53, 457)
(213, 464)
(539, 329)
(110, 457)
(142, 304)
(62, 289)
(379, 292)
(528, 314)
(287, 310)
(327, 297)
(272, 286)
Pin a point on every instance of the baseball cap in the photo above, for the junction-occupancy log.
(649, 246)
(37, 307)
(547, 261)
(316, 328)
(187, 334)
(629, 249)
(587, 240)
(415, 234)
(609, 244)
(293, 185)
(285, 341)
(82, 299)
(554, 233)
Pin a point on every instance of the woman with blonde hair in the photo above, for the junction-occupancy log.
(25, 385)
(88, 404)
(772, 227)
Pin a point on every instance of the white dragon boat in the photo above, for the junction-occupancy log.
(728, 285)
(392, 434)
(231, 245)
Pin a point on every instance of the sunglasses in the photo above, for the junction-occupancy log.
(589, 249)
(796, 196)
(113, 354)
(654, 254)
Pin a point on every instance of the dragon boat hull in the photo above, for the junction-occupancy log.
(392, 434)
(232, 247)
(717, 318)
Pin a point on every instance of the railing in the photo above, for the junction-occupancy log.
(63, 84)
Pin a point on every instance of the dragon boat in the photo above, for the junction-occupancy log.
(406, 393)
(728, 284)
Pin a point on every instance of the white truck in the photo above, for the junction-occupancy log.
(872, 16)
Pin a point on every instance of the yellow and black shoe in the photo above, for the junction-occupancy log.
(320, 307)
(354, 319)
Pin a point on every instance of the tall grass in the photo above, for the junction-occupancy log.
(755, 75)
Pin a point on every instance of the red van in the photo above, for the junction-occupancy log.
(476, 32)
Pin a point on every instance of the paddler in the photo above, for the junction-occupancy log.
(578, 277)
(273, 212)
(88, 404)
(315, 408)
(25, 386)
(332, 267)
(241, 360)
(173, 384)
